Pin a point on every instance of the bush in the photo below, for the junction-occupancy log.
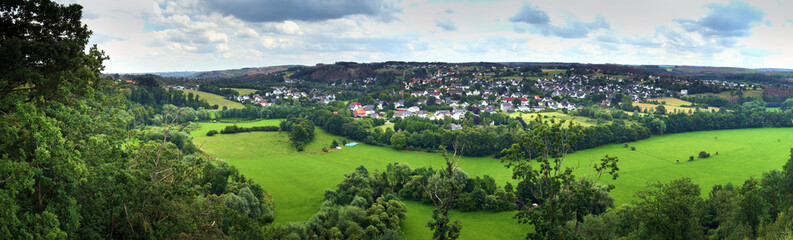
(212, 132)
(704, 154)
(236, 129)
(690, 158)
(633, 148)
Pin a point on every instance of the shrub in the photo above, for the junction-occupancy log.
(690, 158)
(633, 148)
(626, 145)
(324, 149)
(704, 154)
(212, 132)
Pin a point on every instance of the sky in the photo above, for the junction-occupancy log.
(199, 35)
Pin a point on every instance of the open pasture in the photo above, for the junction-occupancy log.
(297, 180)
(213, 99)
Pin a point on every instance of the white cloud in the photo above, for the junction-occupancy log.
(169, 35)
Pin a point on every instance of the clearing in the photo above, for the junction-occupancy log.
(213, 99)
(297, 180)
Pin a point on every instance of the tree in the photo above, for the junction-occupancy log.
(551, 194)
(398, 140)
(787, 104)
(442, 188)
(660, 110)
(49, 95)
(670, 211)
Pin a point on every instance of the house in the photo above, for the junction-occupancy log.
(359, 113)
(354, 105)
(264, 103)
(369, 109)
(684, 92)
(400, 103)
(506, 106)
(524, 108)
(455, 126)
(414, 109)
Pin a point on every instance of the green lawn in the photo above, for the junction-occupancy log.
(743, 153)
(584, 121)
(245, 91)
(213, 99)
(297, 180)
(772, 109)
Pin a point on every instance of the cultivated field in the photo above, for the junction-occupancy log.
(244, 91)
(584, 121)
(671, 108)
(213, 99)
(726, 94)
(297, 180)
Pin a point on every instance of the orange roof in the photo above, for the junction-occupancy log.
(359, 111)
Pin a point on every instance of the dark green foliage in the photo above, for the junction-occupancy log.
(670, 211)
(704, 154)
(212, 132)
(157, 96)
(235, 129)
(358, 209)
(301, 131)
(226, 92)
(550, 195)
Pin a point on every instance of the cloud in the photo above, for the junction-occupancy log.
(735, 19)
(445, 24)
(757, 52)
(302, 10)
(531, 14)
(577, 28)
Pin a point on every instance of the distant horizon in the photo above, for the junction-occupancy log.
(198, 35)
(310, 65)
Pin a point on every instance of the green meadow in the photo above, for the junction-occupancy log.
(297, 180)
(245, 91)
(213, 99)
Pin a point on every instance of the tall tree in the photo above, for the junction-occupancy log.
(553, 195)
(442, 188)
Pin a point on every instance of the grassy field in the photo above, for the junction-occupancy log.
(213, 99)
(726, 94)
(670, 108)
(555, 71)
(743, 153)
(245, 91)
(672, 101)
(584, 121)
(297, 180)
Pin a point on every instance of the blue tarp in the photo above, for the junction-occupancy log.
(351, 144)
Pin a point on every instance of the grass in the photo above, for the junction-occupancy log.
(743, 153)
(297, 180)
(476, 225)
(672, 101)
(555, 71)
(245, 91)
(726, 94)
(772, 109)
(584, 121)
(671, 109)
(213, 99)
